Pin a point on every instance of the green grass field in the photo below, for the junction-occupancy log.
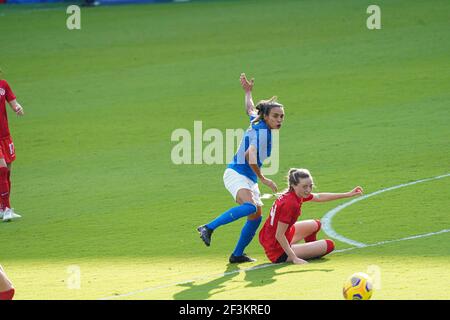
(96, 186)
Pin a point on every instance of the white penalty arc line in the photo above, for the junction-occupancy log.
(394, 240)
(263, 266)
(326, 220)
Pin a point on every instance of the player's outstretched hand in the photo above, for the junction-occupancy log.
(270, 184)
(19, 111)
(246, 85)
(358, 191)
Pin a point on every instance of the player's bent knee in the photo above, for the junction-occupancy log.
(252, 207)
(255, 215)
(244, 195)
(319, 225)
(330, 245)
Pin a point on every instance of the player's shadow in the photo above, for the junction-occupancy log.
(266, 274)
(260, 275)
(203, 291)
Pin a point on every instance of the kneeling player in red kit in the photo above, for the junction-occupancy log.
(281, 231)
(7, 152)
(6, 287)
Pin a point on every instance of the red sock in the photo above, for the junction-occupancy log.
(330, 245)
(7, 295)
(313, 237)
(4, 188)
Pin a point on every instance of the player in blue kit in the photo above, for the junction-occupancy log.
(241, 176)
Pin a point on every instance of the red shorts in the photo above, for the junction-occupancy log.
(7, 150)
(273, 253)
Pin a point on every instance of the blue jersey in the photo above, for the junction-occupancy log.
(260, 136)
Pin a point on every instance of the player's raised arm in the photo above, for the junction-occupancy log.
(248, 86)
(323, 197)
(17, 108)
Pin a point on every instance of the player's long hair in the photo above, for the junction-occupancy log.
(264, 107)
(295, 175)
(293, 179)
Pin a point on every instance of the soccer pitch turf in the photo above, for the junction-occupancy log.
(101, 198)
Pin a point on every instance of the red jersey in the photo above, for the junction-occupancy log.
(286, 209)
(6, 95)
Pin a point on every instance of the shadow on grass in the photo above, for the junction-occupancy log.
(266, 276)
(204, 291)
(257, 276)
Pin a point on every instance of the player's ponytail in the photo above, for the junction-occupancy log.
(264, 107)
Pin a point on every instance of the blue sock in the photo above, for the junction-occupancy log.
(247, 234)
(231, 215)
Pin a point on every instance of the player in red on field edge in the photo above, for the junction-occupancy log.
(6, 287)
(281, 231)
(7, 152)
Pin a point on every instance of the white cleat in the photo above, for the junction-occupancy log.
(9, 215)
(16, 216)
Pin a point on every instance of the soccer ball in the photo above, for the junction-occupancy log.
(358, 287)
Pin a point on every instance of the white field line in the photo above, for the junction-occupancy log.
(263, 266)
(326, 220)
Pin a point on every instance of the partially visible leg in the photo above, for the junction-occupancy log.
(249, 229)
(306, 230)
(4, 185)
(248, 232)
(247, 207)
(313, 236)
(9, 165)
(312, 250)
(6, 287)
(6, 212)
